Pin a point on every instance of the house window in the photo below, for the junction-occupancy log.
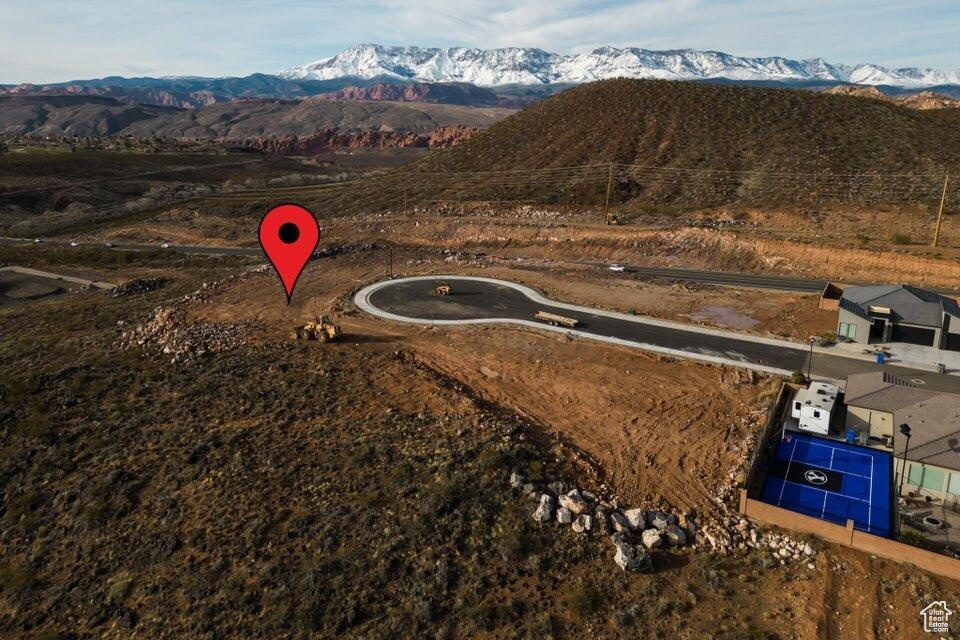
(847, 330)
(796, 405)
(933, 479)
(915, 477)
(926, 477)
(816, 414)
(953, 485)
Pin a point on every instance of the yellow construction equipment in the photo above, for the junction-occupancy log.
(443, 289)
(321, 329)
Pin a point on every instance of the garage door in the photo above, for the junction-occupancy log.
(913, 335)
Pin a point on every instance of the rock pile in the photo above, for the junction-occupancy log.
(737, 534)
(633, 532)
(140, 285)
(168, 330)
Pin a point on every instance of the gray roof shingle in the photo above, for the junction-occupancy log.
(934, 417)
(907, 304)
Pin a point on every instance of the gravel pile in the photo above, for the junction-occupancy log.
(134, 287)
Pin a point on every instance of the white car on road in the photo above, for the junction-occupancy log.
(615, 267)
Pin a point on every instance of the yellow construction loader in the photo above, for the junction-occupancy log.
(321, 329)
(443, 289)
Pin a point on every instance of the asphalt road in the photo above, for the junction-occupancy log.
(724, 278)
(132, 246)
(729, 278)
(484, 300)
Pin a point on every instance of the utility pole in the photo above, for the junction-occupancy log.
(405, 198)
(606, 201)
(943, 199)
(905, 430)
(810, 359)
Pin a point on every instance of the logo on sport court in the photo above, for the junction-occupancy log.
(815, 477)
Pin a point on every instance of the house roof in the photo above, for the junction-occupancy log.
(935, 431)
(906, 303)
(880, 391)
(934, 417)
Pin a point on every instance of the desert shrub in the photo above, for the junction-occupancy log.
(827, 339)
(583, 598)
(16, 580)
(901, 238)
(914, 539)
(798, 377)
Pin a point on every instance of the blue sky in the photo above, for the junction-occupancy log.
(55, 40)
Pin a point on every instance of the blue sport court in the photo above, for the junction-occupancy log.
(833, 481)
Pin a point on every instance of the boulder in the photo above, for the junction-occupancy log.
(652, 538)
(623, 537)
(626, 557)
(516, 480)
(636, 518)
(557, 488)
(583, 523)
(619, 521)
(573, 502)
(712, 540)
(544, 510)
(689, 526)
(529, 488)
(646, 562)
(631, 558)
(564, 515)
(808, 550)
(674, 535)
(660, 520)
(588, 496)
(602, 516)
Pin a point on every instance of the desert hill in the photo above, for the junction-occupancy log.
(924, 100)
(83, 116)
(707, 144)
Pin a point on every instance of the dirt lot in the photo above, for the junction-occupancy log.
(531, 236)
(643, 421)
(359, 489)
(16, 288)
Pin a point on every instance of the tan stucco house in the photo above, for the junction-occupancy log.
(877, 404)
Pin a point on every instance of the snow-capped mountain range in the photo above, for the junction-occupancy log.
(530, 66)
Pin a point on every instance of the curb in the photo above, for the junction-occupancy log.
(362, 300)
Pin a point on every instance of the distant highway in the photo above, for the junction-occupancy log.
(728, 278)
(722, 278)
(133, 246)
(485, 300)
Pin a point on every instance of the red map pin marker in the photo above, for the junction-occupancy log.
(288, 235)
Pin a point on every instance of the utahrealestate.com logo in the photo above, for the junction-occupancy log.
(936, 617)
